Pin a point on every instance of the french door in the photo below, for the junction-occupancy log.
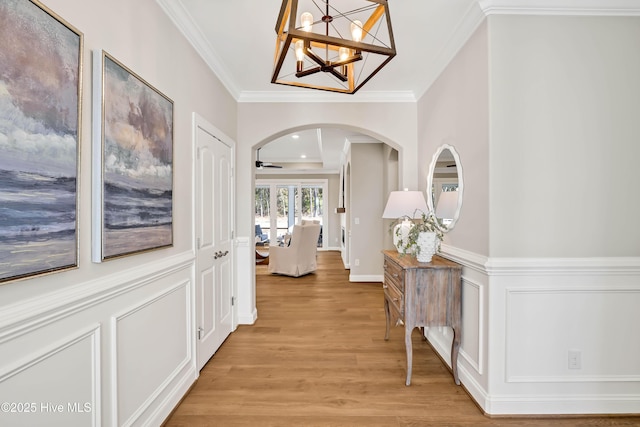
(282, 203)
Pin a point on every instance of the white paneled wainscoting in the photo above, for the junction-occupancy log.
(118, 350)
(548, 335)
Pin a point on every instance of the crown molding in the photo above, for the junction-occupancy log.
(561, 7)
(176, 11)
(473, 17)
(478, 11)
(311, 95)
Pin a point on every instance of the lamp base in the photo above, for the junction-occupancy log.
(401, 235)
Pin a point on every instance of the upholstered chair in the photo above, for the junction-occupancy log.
(299, 257)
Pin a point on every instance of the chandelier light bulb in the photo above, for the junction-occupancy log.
(306, 20)
(356, 31)
(300, 50)
(343, 53)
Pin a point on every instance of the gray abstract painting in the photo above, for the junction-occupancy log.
(40, 75)
(137, 158)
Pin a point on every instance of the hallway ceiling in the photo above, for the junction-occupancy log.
(236, 38)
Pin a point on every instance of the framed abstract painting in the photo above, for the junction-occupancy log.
(40, 105)
(132, 163)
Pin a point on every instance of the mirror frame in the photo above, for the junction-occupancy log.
(432, 168)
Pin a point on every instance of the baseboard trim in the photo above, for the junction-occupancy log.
(248, 318)
(366, 278)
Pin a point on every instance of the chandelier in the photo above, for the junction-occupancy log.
(334, 46)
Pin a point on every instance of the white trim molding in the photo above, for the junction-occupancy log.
(468, 259)
(34, 313)
(561, 7)
(530, 313)
(366, 278)
(563, 266)
(542, 309)
(178, 14)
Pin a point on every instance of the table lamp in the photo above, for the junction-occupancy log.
(404, 205)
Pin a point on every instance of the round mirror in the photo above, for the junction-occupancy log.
(444, 187)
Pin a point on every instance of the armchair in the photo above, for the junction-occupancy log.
(299, 258)
(261, 238)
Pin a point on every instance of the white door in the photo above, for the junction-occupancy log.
(214, 220)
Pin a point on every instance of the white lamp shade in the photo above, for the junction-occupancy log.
(447, 205)
(405, 204)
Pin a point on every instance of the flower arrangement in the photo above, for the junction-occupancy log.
(410, 241)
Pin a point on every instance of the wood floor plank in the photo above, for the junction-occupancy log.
(316, 356)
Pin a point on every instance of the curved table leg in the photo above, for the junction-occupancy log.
(455, 347)
(387, 316)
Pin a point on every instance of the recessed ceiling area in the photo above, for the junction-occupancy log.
(323, 149)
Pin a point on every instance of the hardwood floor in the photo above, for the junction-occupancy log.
(316, 356)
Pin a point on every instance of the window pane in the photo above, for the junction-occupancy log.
(286, 209)
(312, 206)
(263, 211)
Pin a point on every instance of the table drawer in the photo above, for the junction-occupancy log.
(394, 273)
(394, 296)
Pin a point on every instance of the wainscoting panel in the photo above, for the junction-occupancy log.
(471, 348)
(57, 384)
(472, 359)
(545, 325)
(564, 336)
(116, 350)
(473, 324)
(151, 346)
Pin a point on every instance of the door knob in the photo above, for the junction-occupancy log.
(220, 254)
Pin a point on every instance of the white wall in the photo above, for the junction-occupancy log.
(541, 107)
(455, 111)
(542, 112)
(564, 273)
(117, 335)
(564, 136)
(259, 123)
(367, 204)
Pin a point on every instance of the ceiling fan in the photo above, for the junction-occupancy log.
(261, 165)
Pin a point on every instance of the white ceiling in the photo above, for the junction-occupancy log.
(236, 38)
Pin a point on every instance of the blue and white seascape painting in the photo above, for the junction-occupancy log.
(137, 162)
(40, 69)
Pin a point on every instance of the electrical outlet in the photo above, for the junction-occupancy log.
(575, 359)
(357, 262)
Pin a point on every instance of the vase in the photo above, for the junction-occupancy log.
(427, 244)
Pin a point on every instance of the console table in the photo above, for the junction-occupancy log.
(423, 294)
